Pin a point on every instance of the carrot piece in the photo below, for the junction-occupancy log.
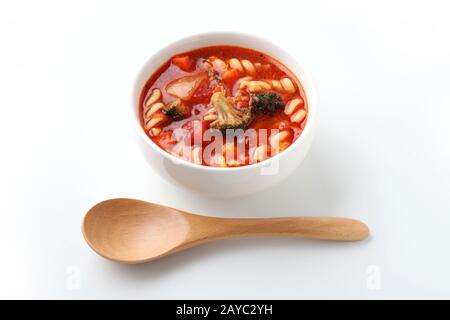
(184, 63)
(219, 88)
(230, 76)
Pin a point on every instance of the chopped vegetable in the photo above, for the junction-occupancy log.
(183, 88)
(227, 116)
(266, 102)
(230, 76)
(184, 63)
(177, 110)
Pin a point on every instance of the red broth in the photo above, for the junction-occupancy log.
(179, 115)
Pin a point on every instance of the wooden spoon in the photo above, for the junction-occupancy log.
(132, 231)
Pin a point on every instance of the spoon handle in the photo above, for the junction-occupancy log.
(325, 228)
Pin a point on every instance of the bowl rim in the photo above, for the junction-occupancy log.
(311, 96)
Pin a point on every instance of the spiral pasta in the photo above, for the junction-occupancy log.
(255, 86)
(284, 85)
(154, 116)
(218, 64)
(244, 66)
(154, 97)
(295, 109)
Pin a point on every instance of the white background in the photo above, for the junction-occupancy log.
(381, 154)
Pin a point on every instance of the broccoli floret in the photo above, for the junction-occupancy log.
(177, 110)
(266, 102)
(227, 116)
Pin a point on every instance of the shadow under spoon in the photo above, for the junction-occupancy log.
(133, 231)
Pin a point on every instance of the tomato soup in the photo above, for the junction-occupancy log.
(223, 106)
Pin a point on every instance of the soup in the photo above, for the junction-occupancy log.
(223, 106)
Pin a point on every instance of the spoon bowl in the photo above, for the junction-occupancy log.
(133, 231)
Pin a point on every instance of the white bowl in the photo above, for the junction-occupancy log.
(226, 182)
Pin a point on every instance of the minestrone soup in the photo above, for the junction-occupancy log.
(223, 106)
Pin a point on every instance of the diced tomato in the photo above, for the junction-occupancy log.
(202, 94)
(230, 76)
(184, 63)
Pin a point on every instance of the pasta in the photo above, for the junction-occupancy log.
(246, 66)
(155, 96)
(218, 64)
(153, 115)
(284, 85)
(294, 109)
(243, 66)
(255, 86)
